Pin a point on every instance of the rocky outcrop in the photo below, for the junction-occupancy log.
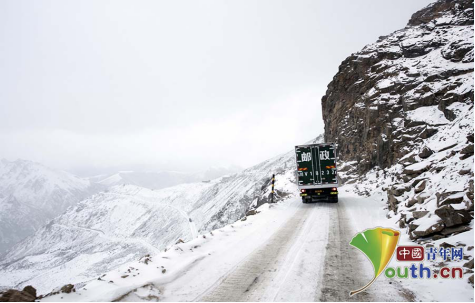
(28, 294)
(371, 107)
(67, 288)
(438, 10)
(452, 217)
(403, 107)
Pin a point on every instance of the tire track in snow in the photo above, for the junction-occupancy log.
(342, 271)
(248, 280)
(347, 269)
(308, 259)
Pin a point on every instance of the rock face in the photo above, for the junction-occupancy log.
(452, 217)
(394, 93)
(28, 294)
(402, 108)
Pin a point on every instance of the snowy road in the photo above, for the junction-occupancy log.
(295, 252)
(307, 259)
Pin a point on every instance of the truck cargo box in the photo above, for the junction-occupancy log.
(317, 169)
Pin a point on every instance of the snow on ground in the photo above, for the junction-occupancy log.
(208, 257)
(119, 225)
(198, 269)
(431, 115)
(363, 217)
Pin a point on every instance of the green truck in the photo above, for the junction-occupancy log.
(317, 172)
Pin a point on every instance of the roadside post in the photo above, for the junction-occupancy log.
(272, 192)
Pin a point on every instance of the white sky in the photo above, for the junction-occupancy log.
(95, 86)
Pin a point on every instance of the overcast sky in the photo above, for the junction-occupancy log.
(95, 86)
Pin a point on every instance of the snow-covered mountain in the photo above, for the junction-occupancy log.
(31, 195)
(127, 222)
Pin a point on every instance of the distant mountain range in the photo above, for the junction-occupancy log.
(32, 194)
(126, 222)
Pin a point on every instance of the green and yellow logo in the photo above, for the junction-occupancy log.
(378, 245)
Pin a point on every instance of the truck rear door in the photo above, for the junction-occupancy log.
(327, 164)
(304, 165)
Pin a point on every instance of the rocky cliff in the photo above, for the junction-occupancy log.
(403, 106)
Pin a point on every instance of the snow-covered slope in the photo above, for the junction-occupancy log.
(126, 222)
(31, 195)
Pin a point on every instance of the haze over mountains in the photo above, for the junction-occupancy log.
(32, 194)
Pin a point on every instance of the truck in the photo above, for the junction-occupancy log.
(317, 178)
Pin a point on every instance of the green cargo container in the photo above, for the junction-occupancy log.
(317, 172)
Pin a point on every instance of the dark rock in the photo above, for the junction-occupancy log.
(470, 138)
(452, 217)
(455, 230)
(244, 219)
(409, 160)
(466, 156)
(402, 221)
(434, 228)
(420, 198)
(419, 214)
(448, 147)
(393, 202)
(399, 190)
(417, 180)
(67, 288)
(446, 198)
(420, 186)
(411, 202)
(252, 212)
(467, 150)
(456, 50)
(465, 171)
(470, 195)
(417, 169)
(13, 295)
(469, 264)
(412, 226)
(31, 290)
(441, 8)
(470, 279)
(426, 153)
(446, 245)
